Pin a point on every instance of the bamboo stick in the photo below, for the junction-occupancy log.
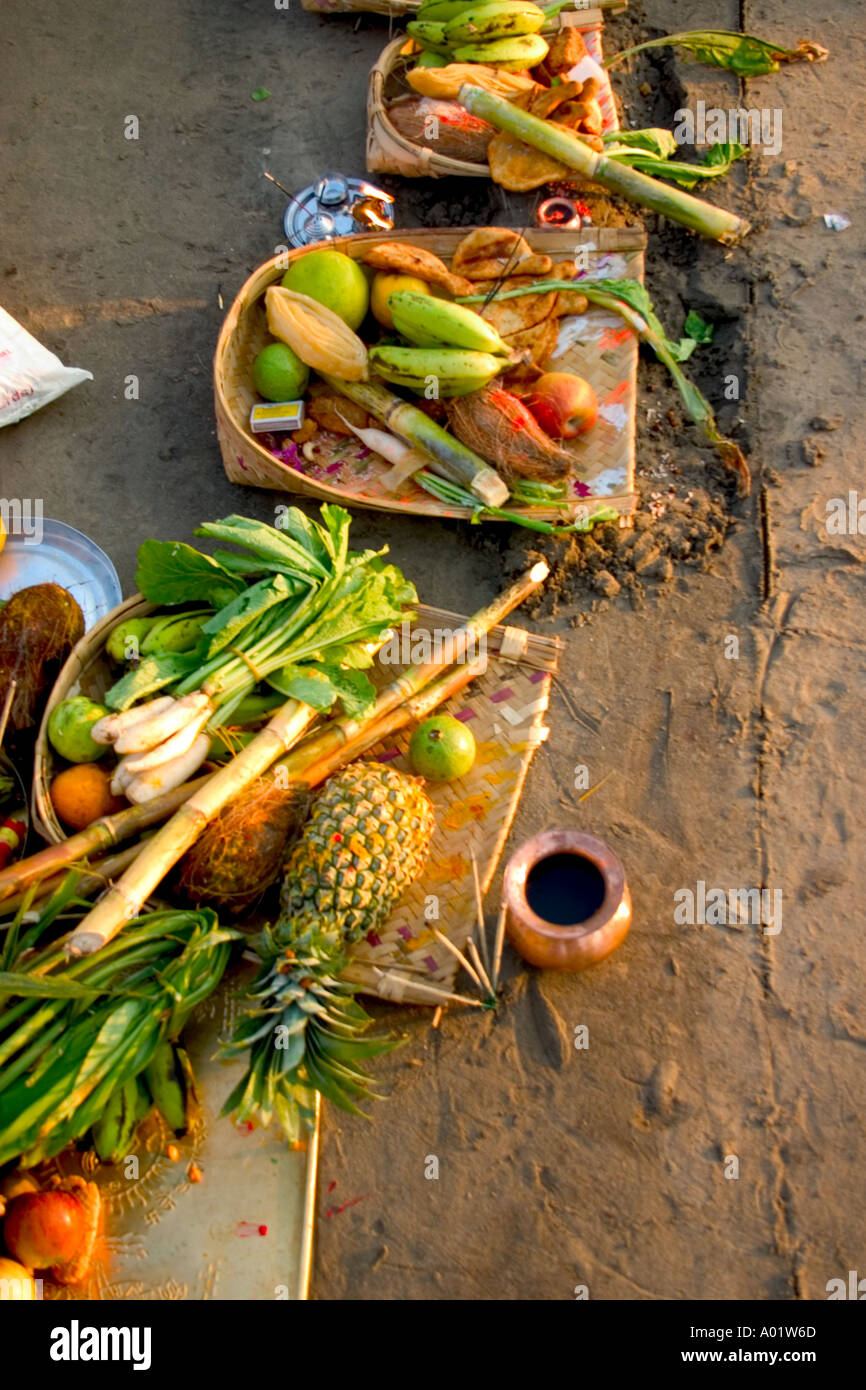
(700, 216)
(447, 455)
(125, 899)
(476, 961)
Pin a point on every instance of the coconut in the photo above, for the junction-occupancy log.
(241, 851)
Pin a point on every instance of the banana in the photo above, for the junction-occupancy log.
(427, 32)
(165, 1081)
(514, 55)
(143, 1101)
(435, 372)
(429, 322)
(429, 59)
(442, 10)
(114, 1130)
(500, 19)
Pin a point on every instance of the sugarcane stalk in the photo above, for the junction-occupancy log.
(568, 149)
(95, 874)
(101, 835)
(125, 899)
(448, 456)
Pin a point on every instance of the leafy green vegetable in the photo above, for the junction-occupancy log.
(717, 161)
(301, 607)
(743, 54)
(170, 572)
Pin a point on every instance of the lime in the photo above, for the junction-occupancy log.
(442, 748)
(69, 727)
(335, 280)
(279, 374)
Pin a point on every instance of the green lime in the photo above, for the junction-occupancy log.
(279, 374)
(335, 280)
(442, 748)
(69, 726)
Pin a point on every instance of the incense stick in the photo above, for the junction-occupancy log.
(459, 956)
(479, 912)
(498, 942)
(476, 960)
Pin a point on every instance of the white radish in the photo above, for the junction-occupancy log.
(111, 726)
(405, 458)
(171, 748)
(168, 775)
(151, 732)
(121, 778)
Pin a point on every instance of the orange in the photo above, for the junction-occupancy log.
(81, 794)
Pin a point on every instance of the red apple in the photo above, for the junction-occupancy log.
(44, 1228)
(563, 404)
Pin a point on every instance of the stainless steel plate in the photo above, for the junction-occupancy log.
(66, 557)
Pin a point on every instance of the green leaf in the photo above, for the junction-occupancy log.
(697, 328)
(260, 94)
(304, 683)
(226, 626)
(170, 572)
(654, 140)
(743, 54)
(150, 675)
(267, 543)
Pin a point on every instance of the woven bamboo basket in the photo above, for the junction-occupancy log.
(398, 8)
(390, 152)
(606, 357)
(505, 708)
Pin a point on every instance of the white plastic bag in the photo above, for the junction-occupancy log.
(30, 375)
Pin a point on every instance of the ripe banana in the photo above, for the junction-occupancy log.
(166, 1082)
(514, 55)
(442, 10)
(430, 322)
(114, 1130)
(499, 19)
(435, 372)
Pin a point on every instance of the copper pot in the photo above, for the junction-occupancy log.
(567, 945)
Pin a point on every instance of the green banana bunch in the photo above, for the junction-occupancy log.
(168, 1075)
(430, 322)
(444, 371)
(443, 10)
(498, 19)
(114, 1131)
(515, 54)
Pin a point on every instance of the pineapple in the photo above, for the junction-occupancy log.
(366, 840)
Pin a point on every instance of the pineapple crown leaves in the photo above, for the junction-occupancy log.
(303, 1034)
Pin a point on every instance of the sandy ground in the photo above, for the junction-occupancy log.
(604, 1167)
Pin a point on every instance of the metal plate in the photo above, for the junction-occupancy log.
(66, 557)
(310, 218)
